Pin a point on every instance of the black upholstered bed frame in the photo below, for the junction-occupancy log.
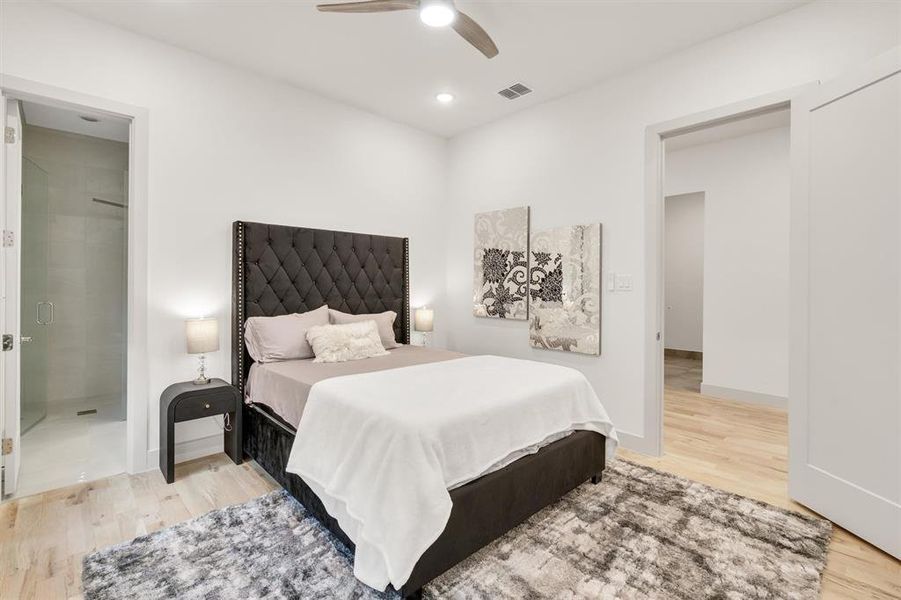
(280, 270)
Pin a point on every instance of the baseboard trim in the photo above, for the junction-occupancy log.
(635, 443)
(188, 450)
(726, 393)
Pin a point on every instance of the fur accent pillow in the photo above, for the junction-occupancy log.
(340, 343)
(384, 321)
(271, 339)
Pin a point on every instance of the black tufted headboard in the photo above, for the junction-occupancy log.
(280, 270)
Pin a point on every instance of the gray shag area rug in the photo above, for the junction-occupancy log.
(640, 533)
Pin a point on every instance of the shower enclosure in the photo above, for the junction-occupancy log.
(72, 240)
(37, 309)
(74, 277)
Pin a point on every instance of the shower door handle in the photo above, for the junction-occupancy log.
(37, 313)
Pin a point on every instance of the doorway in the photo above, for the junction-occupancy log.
(72, 286)
(683, 342)
(726, 254)
(138, 455)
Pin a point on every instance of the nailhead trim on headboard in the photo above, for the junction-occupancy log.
(238, 307)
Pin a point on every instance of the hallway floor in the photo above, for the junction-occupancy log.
(682, 373)
(61, 450)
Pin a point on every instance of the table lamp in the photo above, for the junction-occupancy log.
(202, 336)
(423, 321)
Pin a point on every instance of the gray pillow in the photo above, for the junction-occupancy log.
(384, 321)
(271, 339)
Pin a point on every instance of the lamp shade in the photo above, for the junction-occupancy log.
(423, 319)
(202, 335)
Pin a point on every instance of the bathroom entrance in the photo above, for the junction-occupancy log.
(72, 303)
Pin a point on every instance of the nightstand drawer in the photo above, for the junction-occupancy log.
(205, 405)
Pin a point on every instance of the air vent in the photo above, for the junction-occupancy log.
(520, 89)
(515, 91)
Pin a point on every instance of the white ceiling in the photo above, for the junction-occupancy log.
(391, 64)
(106, 127)
(732, 129)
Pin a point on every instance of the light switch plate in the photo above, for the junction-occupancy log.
(623, 282)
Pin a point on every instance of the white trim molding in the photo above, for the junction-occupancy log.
(727, 393)
(635, 443)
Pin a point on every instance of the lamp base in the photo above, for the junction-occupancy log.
(202, 379)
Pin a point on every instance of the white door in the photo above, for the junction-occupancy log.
(11, 189)
(845, 376)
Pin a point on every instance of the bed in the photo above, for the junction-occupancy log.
(280, 270)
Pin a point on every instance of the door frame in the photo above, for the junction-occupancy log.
(137, 376)
(10, 419)
(655, 136)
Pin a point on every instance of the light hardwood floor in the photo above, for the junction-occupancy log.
(737, 447)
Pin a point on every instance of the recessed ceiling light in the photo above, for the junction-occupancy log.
(437, 13)
(444, 97)
(89, 118)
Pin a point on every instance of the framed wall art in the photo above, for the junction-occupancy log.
(565, 289)
(501, 264)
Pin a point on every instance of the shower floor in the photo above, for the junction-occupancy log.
(63, 449)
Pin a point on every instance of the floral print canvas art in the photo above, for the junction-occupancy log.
(501, 264)
(565, 289)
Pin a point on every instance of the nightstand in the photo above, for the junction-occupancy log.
(186, 401)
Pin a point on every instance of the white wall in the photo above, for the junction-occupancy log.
(227, 145)
(582, 158)
(684, 268)
(746, 181)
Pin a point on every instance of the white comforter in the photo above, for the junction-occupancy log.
(382, 449)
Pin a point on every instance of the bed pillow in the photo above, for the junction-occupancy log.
(271, 339)
(384, 321)
(350, 341)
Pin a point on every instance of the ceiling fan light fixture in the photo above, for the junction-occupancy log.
(444, 97)
(437, 13)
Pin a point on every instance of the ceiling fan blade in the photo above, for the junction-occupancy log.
(369, 6)
(473, 33)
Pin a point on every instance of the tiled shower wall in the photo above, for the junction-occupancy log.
(86, 268)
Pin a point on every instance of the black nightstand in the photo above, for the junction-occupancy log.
(186, 401)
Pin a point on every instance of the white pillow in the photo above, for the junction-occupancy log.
(271, 339)
(384, 321)
(340, 343)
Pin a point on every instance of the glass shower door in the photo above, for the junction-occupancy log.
(36, 310)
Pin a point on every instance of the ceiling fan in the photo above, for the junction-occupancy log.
(435, 13)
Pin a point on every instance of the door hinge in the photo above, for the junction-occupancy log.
(658, 336)
(9, 238)
(9, 135)
(7, 342)
(7, 446)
